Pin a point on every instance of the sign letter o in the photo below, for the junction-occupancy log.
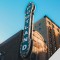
(24, 47)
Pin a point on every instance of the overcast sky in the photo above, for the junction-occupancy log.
(12, 14)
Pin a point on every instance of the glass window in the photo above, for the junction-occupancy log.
(51, 52)
(55, 48)
(35, 26)
(39, 24)
(33, 56)
(52, 25)
(49, 22)
(50, 45)
(59, 38)
(39, 28)
(1, 56)
(58, 30)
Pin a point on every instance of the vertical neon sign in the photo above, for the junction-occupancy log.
(27, 34)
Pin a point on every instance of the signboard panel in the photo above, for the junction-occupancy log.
(27, 34)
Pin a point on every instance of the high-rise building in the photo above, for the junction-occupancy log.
(51, 33)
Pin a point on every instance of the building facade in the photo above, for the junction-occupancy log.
(39, 46)
(51, 33)
(10, 49)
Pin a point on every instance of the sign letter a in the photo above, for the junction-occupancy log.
(26, 32)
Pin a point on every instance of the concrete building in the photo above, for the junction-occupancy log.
(39, 46)
(10, 49)
(50, 32)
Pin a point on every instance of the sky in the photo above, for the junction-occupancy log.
(12, 14)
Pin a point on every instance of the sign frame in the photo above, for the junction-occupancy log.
(26, 44)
